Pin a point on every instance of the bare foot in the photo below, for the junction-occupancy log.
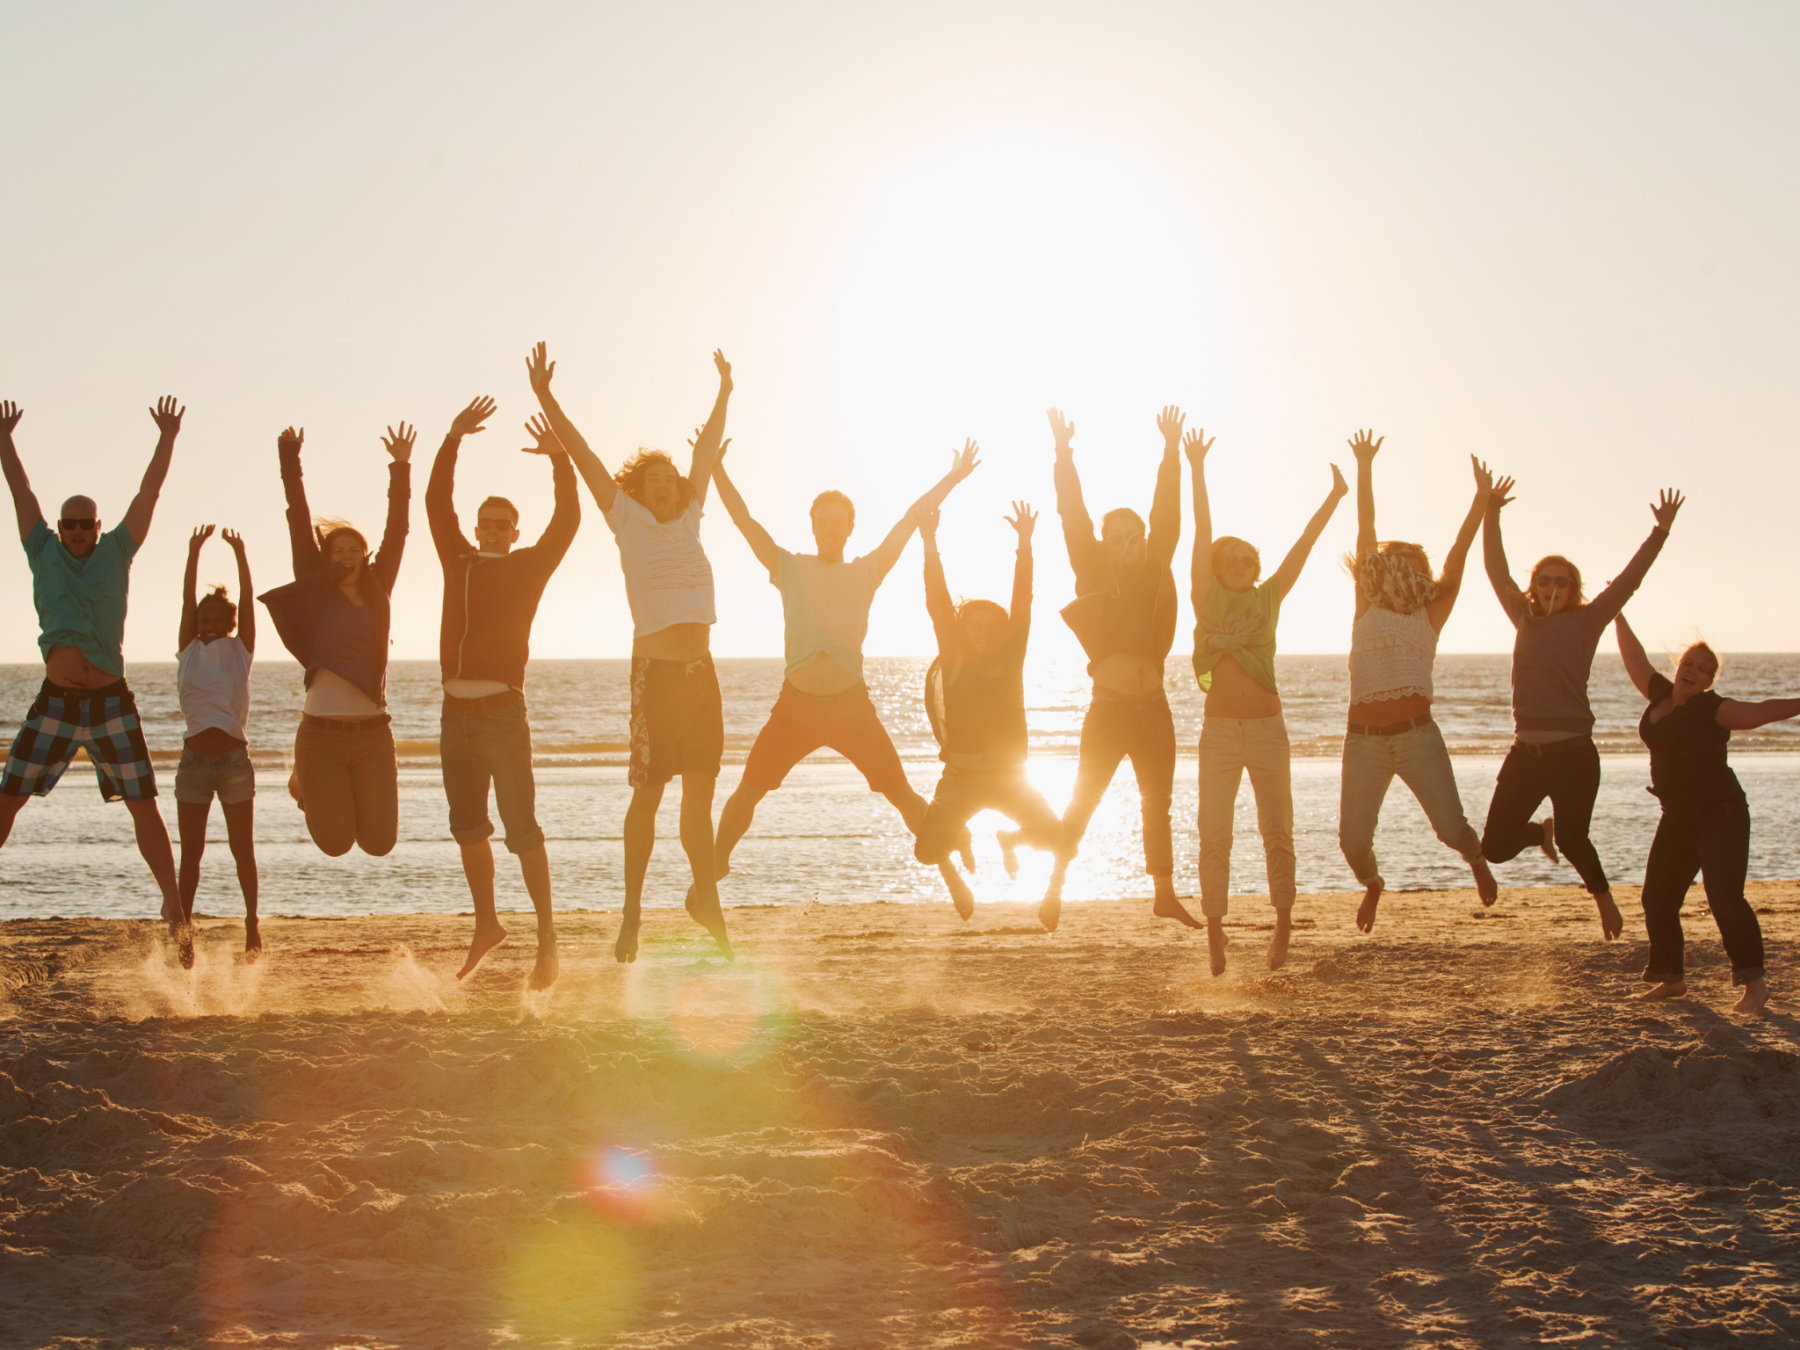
(965, 849)
(487, 937)
(1050, 908)
(1284, 932)
(1549, 840)
(1365, 912)
(960, 894)
(705, 911)
(1756, 993)
(1168, 907)
(625, 947)
(252, 940)
(1009, 851)
(1485, 885)
(294, 789)
(1612, 923)
(1215, 943)
(544, 973)
(1667, 989)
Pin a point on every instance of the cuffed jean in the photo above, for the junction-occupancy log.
(1710, 840)
(1420, 759)
(1228, 747)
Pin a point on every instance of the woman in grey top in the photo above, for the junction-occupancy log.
(1553, 753)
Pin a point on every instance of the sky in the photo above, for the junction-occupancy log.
(1560, 237)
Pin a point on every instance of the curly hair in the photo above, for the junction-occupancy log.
(630, 477)
(219, 596)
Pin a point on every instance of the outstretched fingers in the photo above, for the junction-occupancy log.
(1169, 421)
(539, 369)
(969, 460)
(1665, 507)
(167, 414)
(1366, 444)
(1023, 519)
(1196, 445)
(10, 413)
(547, 441)
(1061, 428)
(200, 535)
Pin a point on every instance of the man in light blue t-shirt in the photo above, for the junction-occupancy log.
(79, 581)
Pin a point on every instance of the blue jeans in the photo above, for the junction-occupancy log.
(490, 745)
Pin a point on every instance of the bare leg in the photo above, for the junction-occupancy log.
(1549, 844)
(1756, 993)
(478, 868)
(640, 838)
(1365, 912)
(10, 807)
(190, 824)
(1667, 989)
(1485, 885)
(697, 841)
(1050, 907)
(1612, 923)
(1215, 943)
(535, 868)
(240, 829)
(734, 820)
(1009, 850)
(153, 843)
(912, 808)
(1284, 933)
(1167, 906)
(960, 894)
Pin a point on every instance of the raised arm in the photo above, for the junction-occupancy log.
(25, 502)
(1493, 552)
(767, 552)
(302, 543)
(888, 551)
(1195, 445)
(168, 426)
(1289, 571)
(399, 445)
(1612, 600)
(1631, 652)
(246, 597)
(1365, 446)
(709, 444)
(937, 591)
(587, 463)
(1165, 502)
(1024, 521)
(565, 514)
(1456, 560)
(1077, 524)
(440, 488)
(190, 608)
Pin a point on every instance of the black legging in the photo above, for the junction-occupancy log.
(1568, 773)
(1710, 839)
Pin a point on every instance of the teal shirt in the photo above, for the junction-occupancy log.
(81, 601)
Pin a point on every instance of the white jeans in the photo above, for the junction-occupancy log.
(1229, 746)
(1421, 761)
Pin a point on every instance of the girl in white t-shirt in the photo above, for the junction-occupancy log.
(212, 675)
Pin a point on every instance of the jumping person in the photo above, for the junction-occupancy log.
(1705, 825)
(212, 680)
(1124, 618)
(1400, 611)
(1234, 661)
(976, 697)
(677, 718)
(80, 580)
(824, 703)
(334, 617)
(1553, 753)
(491, 594)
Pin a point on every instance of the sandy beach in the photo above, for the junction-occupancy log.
(885, 1127)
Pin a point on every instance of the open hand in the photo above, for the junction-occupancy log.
(1339, 488)
(291, 440)
(724, 370)
(399, 444)
(539, 370)
(1196, 445)
(167, 416)
(200, 535)
(964, 464)
(1500, 493)
(10, 413)
(548, 443)
(1024, 520)
(1169, 421)
(470, 419)
(1484, 476)
(1365, 445)
(233, 538)
(1665, 507)
(1063, 430)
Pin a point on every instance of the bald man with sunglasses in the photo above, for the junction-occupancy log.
(80, 577)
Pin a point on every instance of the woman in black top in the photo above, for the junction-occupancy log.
(1705, 826)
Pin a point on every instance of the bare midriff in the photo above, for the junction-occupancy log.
(1235, 694)
(823, 678)
(66, 666)
(213, 741)
(1128, 674)
(1381, 712)
(677, 642)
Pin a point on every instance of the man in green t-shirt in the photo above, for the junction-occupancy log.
(79, 580)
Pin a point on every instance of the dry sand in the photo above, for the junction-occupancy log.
(884, 1127)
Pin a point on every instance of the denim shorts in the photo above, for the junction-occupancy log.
(198, 776)
(491, 745)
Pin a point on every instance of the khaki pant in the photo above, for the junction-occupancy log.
(1229, 746)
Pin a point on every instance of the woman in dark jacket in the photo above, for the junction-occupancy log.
(333, 617)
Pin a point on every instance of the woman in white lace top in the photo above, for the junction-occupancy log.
(1400, 611)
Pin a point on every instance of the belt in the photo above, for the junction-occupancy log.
(344, 723)
(506, 698)
(1554, 747)
(1390, 728)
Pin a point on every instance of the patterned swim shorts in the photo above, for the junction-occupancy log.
(104, 721)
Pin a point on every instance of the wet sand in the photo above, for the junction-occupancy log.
(886, 1127)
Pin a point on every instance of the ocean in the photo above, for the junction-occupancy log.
(824, 836)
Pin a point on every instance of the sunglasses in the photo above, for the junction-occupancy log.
(78, 522)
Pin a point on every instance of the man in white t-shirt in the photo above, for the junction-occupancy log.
(677, 718)
(824, 704)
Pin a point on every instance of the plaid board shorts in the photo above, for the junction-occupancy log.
(104, 721)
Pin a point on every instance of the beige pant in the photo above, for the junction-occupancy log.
(1229, 746)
